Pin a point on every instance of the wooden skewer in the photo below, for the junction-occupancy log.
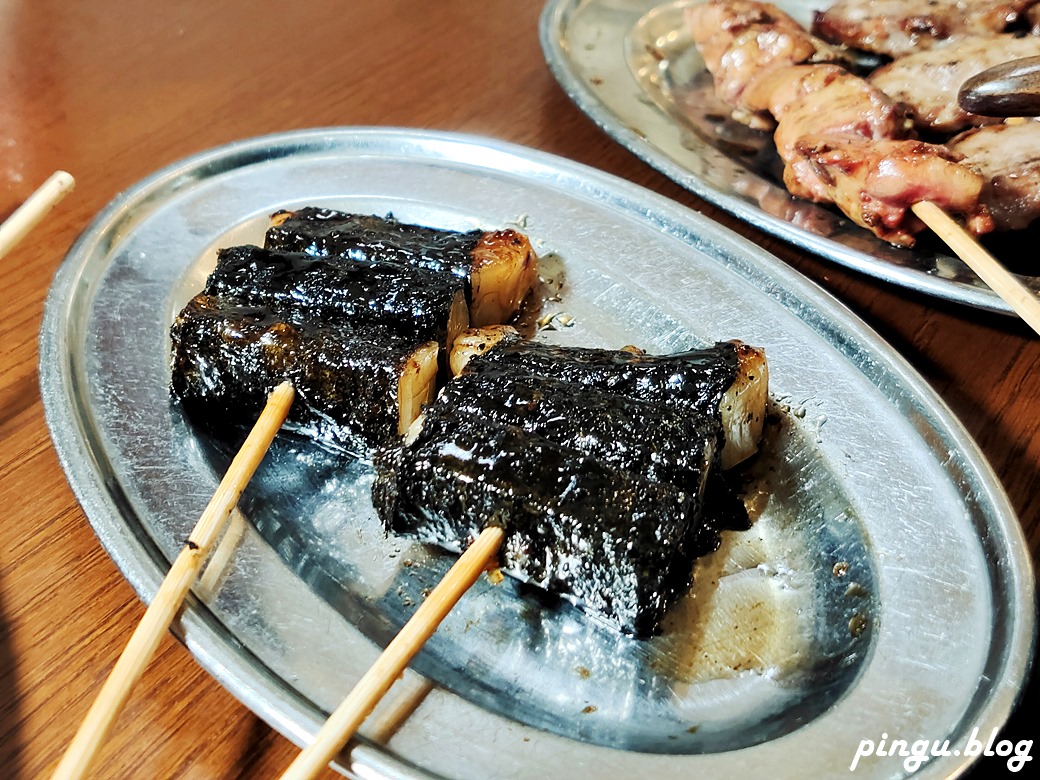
(374, 684)
(28, 215)
(160, 613)
(1019, 297)
(211, 578)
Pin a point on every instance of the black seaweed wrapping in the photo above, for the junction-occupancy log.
(301, 288)
(324, 233)
(616, 543)
(694, 381)
(227, 358)
(622, 432)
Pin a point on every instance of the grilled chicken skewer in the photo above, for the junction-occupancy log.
(835, 136)
(829, 125)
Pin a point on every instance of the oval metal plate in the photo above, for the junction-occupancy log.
(884, 587)
(632, 67)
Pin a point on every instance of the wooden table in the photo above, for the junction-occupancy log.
(112, 91)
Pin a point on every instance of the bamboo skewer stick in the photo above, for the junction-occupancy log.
(374, 684)
(174, 589)
(1019, 297)
(212, 577)
(36, 207)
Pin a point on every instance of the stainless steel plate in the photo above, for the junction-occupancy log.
(884, 588)
(631, 66)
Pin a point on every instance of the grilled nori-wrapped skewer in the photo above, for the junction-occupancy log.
(499, 268)
(616, 543)
(304, 288)
(727, 382)
(357, 386)
(622, 432)
(560, 446)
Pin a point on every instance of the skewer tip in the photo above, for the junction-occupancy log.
(282, 395)
(24, 218)
(63, 181)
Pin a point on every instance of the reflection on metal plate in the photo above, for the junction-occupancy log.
(883, 586)
(632, 67)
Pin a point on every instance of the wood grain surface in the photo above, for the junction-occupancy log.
(112, 91)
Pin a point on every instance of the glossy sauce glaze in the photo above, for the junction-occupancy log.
(693, 381)
(621, 431)
(303, 289)
(498, 268)
(324, 232)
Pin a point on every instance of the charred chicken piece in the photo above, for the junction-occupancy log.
(1008, 159)
(898, 28)
(757, 54)
(716, 24)
(875, 182)
(737, 50)
(927, 82)
(824, 103)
